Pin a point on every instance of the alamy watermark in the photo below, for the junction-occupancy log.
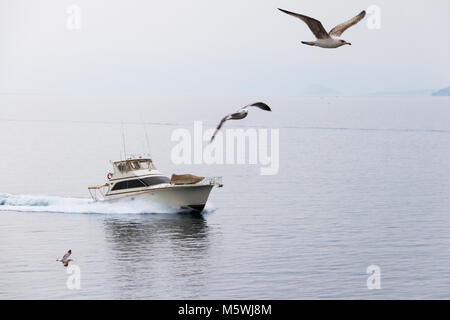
(373, 21)
(73, 21)
(74, 280)
(374, 280)
(237, 146)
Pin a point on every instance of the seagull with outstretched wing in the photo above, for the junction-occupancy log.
(240, 114)
(65, 259)
(326, 39)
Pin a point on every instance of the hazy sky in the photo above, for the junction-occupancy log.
(227, 47)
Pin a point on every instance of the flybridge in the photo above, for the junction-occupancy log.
(124, 166)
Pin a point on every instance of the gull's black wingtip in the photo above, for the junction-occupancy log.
(287, 12)
(261, 105)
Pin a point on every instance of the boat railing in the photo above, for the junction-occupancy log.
(98, 192)
(217, 181)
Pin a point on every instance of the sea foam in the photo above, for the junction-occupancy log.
(42, 203)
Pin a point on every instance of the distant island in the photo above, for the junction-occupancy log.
(320, 90)
(442, 92)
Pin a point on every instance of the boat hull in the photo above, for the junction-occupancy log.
(192, 197)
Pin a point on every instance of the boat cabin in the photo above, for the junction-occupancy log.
(138, 173)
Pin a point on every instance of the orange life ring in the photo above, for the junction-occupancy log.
(109, 176)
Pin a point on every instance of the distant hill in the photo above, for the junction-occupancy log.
(442, 92)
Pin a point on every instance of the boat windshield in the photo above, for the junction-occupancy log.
(135, 164)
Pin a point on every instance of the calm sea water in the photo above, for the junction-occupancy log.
(362, 181)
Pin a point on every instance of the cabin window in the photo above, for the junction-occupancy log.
(151, 181)
(135, 165)
(128, 184)
(139, 183)
(121, 166)
(144, 164)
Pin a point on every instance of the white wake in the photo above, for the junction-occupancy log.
(37, 203)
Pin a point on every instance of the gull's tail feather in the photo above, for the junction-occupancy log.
(309, 43)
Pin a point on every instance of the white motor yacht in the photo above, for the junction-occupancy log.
(138, 179)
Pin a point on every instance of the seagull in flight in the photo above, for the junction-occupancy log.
(65, 259)
(240, 114)
(326, 39)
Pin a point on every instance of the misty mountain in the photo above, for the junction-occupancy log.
(442, 92)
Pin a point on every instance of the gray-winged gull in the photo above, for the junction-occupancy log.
(326, 39)
(240, 114)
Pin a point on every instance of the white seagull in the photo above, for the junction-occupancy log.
(65, 259)
(240, 114)
(325, 39)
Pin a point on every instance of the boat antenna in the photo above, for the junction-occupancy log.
(147, 140)
(123, 140)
